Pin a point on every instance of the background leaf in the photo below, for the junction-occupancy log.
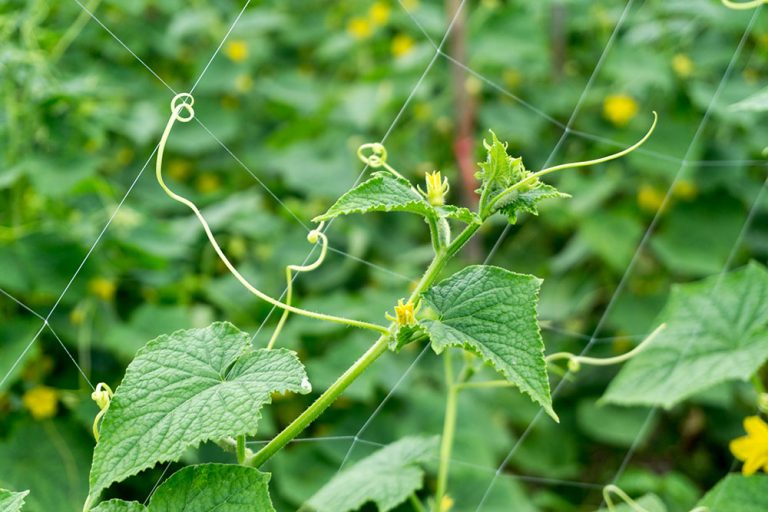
(385, 478)
(716, 331)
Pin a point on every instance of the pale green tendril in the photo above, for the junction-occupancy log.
(743, 6)
(612, 489)
(102, 395)
(572, 165)
(575, 361)
(377, 158)
(313, 237)
(184, 112)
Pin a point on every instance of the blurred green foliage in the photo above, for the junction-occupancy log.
(295, 89)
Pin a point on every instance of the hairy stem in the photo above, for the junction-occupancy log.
(240, 450)
(449, 428)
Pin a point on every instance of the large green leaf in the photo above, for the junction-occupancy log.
(737, 493)
(185, 388)
(386, 478)
(383, 192)
(203, 488)
(716, 331)
(492, 311)
(12, 501)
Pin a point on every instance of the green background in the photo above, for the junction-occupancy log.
(282, 108)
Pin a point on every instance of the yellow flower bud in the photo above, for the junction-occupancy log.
(102, 288)
(685, 189)
(404, 313)
(379, 13)
(649, 198)
(619, 109)
(682, 65)
(437, 188)
(236, 50)
(402, 45)
(41, 402)
(359, 28)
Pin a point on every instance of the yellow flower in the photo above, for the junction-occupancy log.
(236, 50)
(682, 65)
(752, 449)
(685, 189)
(359, 28)
(207, 183)
(437, 188)
(402, 45)
(404, 314)
(41, 402)
(103, 288)
(379, 13)
(619, 109)
(649, 198)
(446, 504)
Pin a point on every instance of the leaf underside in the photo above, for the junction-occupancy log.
(716, 332)
(386, 478)
(185, 388)
(492, 311)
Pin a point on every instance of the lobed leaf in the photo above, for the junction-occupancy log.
(738, 493)
(492, 311)
(716, 332)
(383, 192)
(202, 488)
(386, 478)
(185, 388)
(12, 501)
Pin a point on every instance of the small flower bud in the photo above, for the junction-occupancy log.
(437, 188)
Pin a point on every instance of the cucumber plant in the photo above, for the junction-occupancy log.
(210, 384)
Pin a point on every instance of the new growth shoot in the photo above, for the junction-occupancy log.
(533, 178)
